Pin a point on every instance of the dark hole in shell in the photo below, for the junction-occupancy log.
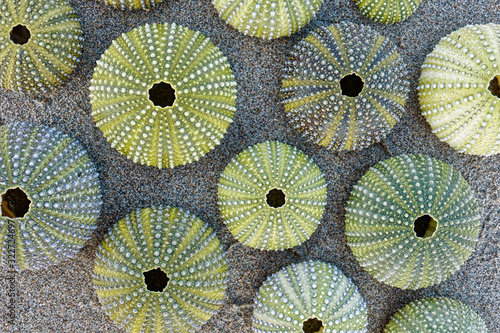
(156, 280)
(162, 94)
(351, 85)
(276, 198)
(20, 34)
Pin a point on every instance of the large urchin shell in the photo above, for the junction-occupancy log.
(133, 4)
(267, 19)
(60, 180)
(322, 89)
(430, 315)
(305, 291)
(181, 246)
(387, 11)
(186, 67)
(40, 43)
(272, 196)
(459, 89)
(412, 221)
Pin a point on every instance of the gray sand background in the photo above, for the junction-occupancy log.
(61, 298)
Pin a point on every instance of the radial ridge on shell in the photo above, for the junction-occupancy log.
(412, 221)
(163, 95)
(387, 11)
(133, 4)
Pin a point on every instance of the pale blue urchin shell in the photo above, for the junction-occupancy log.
(61, 182)
(180, 245)
(307, 291)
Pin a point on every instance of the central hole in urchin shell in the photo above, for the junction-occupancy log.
(351, 85)
(494, 86)
(425, 226)
(20, 34)
(162, 94)
(156, 279)
(275, 198)
(15, 203)
(312, 325)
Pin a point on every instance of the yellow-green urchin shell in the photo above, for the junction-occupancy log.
(272, 196)
(459, 89)
(40, 43)
(412, 221)
(431, 315)
(160, 269)
(133, 4)
(387, 11)
(267, 19)
(344, 86)
(163, 95)
(51, 196)
(309, 297)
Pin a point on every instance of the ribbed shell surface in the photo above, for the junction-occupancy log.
(387, 11)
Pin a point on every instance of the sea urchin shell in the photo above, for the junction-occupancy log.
(133, 4)
(344, 86)
(387, 11)
(412, 221)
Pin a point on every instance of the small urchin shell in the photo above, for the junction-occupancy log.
(180, 245)
(430, 315)
(387, 11)
(40, 43)
(163, 95)
(309, 290)
(267, 19)
(133, 4)
(459, 89)
(412, 221)
(272, 196)
(344, 86)
(62, 185)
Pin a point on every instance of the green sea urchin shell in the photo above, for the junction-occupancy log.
(412, 221)
(309, 291)
(163, 95)
(60, 182)
(40, 42)
(133, 4)
(344, 86)
(430, 315)
(459, 89)
(179, 245)
(387, 11)
(267, 19)
(272, 196)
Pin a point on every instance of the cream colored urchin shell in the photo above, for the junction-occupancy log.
(305, 292)
(267, 19)
(387, 11)
(62, 196)
(178, 246)
(272, 196)
(344, 86)
(430, 315)
(459, 89)
(412, 221)
(133, 4)
(163, 95)
(40, 43)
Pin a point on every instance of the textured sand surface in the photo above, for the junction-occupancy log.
(61, 298)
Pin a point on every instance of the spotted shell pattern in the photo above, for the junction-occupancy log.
(52, 50)
(430, 315)
(387, 11)
(312, 93)
(455, 89)
(251, 175)
(310, 289)
(383, 207)
(168, 136)
(62, 184)
(267, 19)
(183, 247)
(133, 4)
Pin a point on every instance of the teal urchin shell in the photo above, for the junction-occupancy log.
(309, 290)
(459, 89)
(322, 92)
(387, 11)
(392, 201)
(50, 53)
(430, 315)
(133, 4)
(267, 19)
(246, 189)
(183, 247)
(61, 182)
(202, 88)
